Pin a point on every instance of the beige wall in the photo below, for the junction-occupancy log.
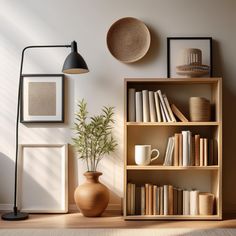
(28, 22)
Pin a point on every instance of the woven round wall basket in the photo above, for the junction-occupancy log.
(128, 39)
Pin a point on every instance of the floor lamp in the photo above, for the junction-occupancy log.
(74, 64)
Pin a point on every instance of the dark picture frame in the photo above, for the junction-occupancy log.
(192, 40)
(42, 98)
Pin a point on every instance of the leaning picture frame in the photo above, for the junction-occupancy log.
(42, 98)
(189, 57)
(43, 178)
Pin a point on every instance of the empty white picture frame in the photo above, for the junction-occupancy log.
(43, 178)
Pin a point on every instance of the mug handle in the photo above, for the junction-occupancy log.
(158, 153)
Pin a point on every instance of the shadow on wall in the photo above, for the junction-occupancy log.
(6, 179)
(153, 50)
(229, 129)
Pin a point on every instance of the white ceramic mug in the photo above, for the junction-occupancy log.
(143, 154)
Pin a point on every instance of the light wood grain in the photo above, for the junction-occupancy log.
(113, 220)
(156, 134)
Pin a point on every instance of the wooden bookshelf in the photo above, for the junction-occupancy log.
(204, 178)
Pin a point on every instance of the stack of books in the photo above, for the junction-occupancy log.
(151, 199)
(183, 149)
(151, 106)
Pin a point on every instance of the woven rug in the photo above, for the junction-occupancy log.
(117, 232)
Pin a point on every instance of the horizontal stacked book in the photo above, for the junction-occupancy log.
(151, 106)
(151, 199)
(183, 149)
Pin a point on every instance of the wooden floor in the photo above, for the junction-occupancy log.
(108, 220)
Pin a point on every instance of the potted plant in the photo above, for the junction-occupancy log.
(93, 140)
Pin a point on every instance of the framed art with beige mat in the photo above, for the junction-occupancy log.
(43, 178)
(42, 98)
(189, 57)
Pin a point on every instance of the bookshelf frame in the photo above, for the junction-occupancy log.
(215, 129)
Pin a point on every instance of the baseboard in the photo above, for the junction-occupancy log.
(72, 207)
(6, 207)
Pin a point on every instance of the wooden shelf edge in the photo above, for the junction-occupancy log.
(135, 167)
(204, 80)
(210, 123)
(173, 217)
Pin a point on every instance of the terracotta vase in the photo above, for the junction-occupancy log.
(92, 197)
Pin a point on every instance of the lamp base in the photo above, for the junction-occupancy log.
(12, 216)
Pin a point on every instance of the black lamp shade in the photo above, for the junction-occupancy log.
(74, 63)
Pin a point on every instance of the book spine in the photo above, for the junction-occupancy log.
(154, 210)
(189, 137)
(180, 201)
(175, 195)
(201, 151)
(197, 149)
(192, 151)
(168, 108)
(164, 106)
(132, 199)
(158, 109)
(186, 202)
(215, 152)
(211, 152)
(185, 148)
(205, 152)
(139, 107)
(131, 104)
(171, 154)
(180, 150)
(167, 152)
(128, 198)
(166, 200)
(194, 202)
(143, 201)
(138, 200)
(146, 111)
(162, 112)
(150, 200)
(178, 113)
(170, 200)
(161, 200)
(146, 199)
(176, 150)
(158, 200)
(152, 107)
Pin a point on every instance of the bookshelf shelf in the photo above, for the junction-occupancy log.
(173, 217)
(156, 134)
(160, 167)
(212, 123)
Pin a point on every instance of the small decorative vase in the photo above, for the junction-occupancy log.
(92, 197)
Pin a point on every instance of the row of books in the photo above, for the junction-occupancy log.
(151, 106)
(183, 149)
(161, 200)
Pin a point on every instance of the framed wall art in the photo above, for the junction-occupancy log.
(42, 98)
(189, 57)
(43, 178)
